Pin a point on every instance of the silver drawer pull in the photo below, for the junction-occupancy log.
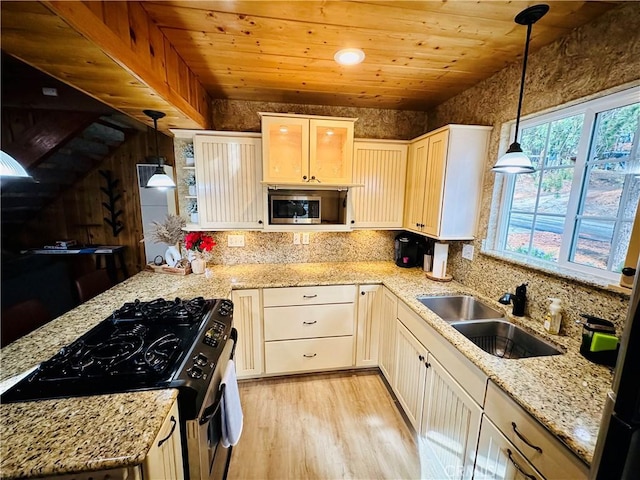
(309, 356)
(519, 468)
(310, 323)
(521, 437)
(309, 296)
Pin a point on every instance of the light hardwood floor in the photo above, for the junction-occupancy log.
(342, 425)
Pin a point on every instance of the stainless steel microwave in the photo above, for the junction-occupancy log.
(295, 209)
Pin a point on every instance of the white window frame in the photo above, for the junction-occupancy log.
(589, 109)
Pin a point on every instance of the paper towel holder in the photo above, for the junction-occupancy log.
(439, 270)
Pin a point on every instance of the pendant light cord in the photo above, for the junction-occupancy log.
(155, 128)
(524, 72)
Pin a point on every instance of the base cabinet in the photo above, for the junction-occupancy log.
(164, 460)
(498, 459)
(247, 320)
(368, 329)
(387, 347)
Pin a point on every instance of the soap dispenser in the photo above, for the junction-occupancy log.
(554, 317)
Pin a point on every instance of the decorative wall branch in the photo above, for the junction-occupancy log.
(112, 198)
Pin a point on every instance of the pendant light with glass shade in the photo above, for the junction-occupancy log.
(10, 168)
(159, 179)
(514, 160)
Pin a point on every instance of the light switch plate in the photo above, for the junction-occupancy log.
(235, 240)
(305, 238)
(467, 251)
(296, 238)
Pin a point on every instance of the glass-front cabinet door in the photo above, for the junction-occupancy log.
(331, 151)
(285, 143)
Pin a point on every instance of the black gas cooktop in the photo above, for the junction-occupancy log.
(141, 345)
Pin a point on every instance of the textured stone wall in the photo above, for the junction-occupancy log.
(599, 58)
(241, 116)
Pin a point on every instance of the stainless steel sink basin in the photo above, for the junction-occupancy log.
(456, 308)
(504, 339)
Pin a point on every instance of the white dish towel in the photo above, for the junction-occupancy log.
(231, 408)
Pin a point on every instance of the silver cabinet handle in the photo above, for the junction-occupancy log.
(519, 468)
(521, 437)
(309, 323)
(309, 356)
(309, 296)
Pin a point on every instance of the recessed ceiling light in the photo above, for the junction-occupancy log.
(349, 56)
(283, 129)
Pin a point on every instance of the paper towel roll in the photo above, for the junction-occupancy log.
(440, 254)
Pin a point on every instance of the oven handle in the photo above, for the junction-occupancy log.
(212, 409)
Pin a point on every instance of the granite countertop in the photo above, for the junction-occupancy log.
(566, 393)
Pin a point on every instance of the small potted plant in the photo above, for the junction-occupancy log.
(187, 151)
(192, 209)
(198, 244)
(190, 181)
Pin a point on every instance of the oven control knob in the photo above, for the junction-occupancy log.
(195, 372)
(200, 360)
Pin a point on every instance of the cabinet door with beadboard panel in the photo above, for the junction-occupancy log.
(382, 168)
(230, 192)
(247, 320)
(164, 459)
(411, 373)
(434, 182)
(415, 191)
(450, 424)
(387, 349)
(369, 299)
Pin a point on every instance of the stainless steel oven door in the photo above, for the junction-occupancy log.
(208, 459)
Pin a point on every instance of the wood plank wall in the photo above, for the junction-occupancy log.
(78, 213)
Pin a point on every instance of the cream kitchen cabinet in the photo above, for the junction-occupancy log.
(387, 347)
(228, 180)
(544, 451)
(368, 325)
(429, 380)
(247, 320)
(381, 167)
(411, 374)
(307, 150)
(308, 328)
(164, 459)
(444, 181)
(498, 459)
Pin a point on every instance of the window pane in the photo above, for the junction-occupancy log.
(525, 192)
(615, 130)
(533, 141)
(633, 197)
(555, 190)
(593, 245)
(547, 238)
(621, 247)
(519, 233)
(604, 189)
(563, 141)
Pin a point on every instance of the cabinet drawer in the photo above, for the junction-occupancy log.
(555, 461)
(287, 323)
(282, 297)
(308, 355)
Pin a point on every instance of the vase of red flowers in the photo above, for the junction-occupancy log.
(199, 243)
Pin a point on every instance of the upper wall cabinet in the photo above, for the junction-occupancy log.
(228, 181)
(307, 150)
(381, 167)
(444, 181)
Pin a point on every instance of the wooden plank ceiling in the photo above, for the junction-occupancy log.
(418, 53)
(159, 54)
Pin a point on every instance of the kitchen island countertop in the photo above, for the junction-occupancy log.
(565, 393)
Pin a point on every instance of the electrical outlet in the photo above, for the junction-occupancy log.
(305, 238)
(467, 251)
(235, 240)
(296, 238)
